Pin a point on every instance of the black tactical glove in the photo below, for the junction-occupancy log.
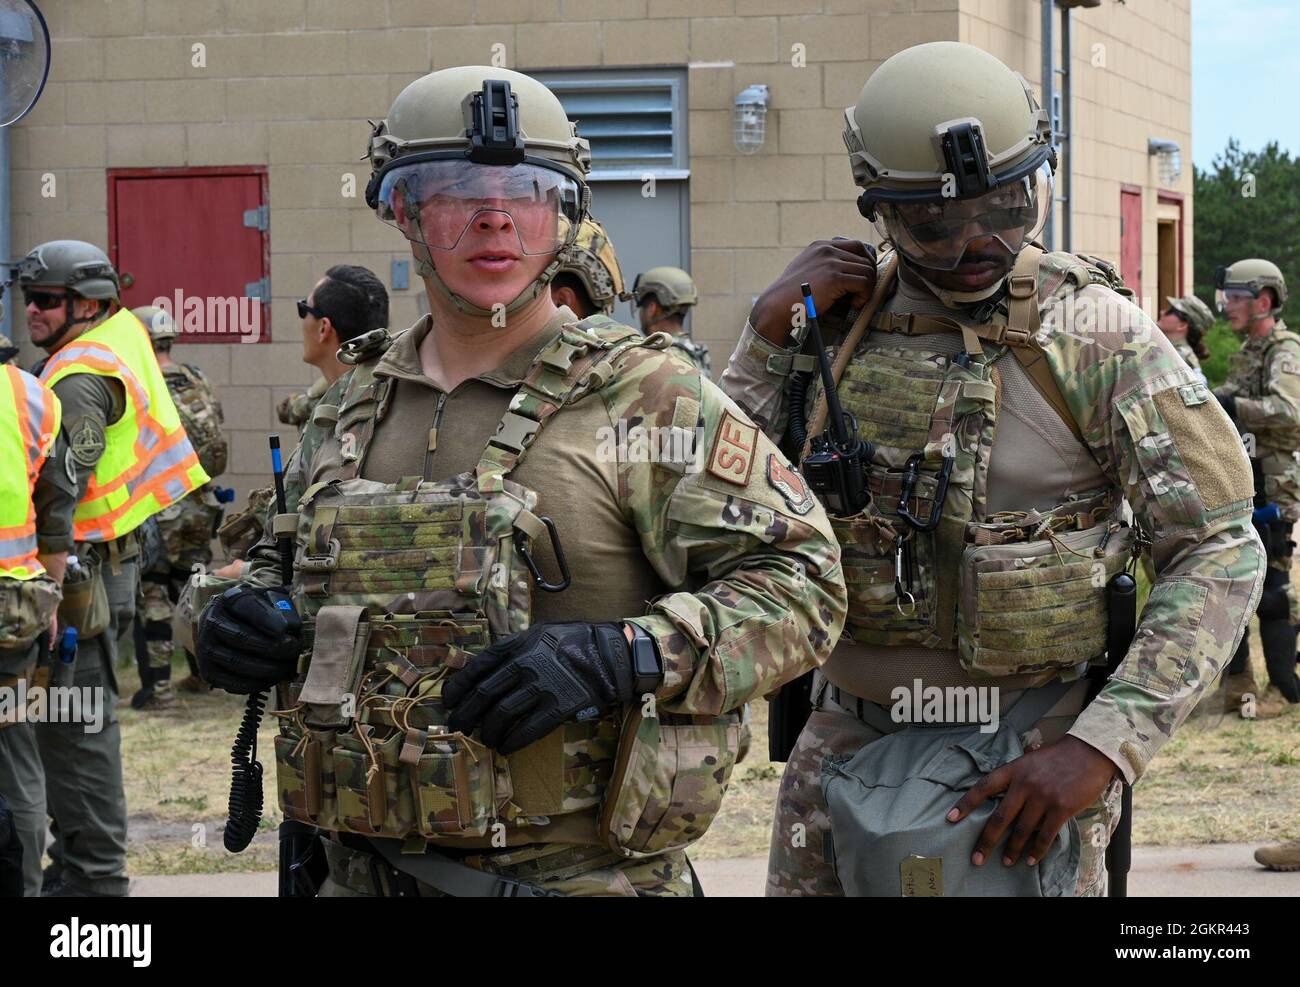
(1228, 402)
(524, 686)
(249, 639)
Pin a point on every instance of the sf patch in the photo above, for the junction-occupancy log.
(86, 441)
(789, 485)
(732, 458)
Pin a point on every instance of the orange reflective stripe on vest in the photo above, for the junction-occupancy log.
(29, 421)
(148, 461)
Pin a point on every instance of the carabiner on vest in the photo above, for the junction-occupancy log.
(521, 545)
(911, 470)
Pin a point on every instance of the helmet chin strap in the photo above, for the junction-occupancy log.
(424, 267)
(957, 299)
(51, 344)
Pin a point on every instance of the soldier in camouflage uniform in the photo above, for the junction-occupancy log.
(1185, 322)
(187, 527)
(547, 640)
(1038, 396)
(1262, 395)
(663, 296)
(589, 279)
(348, 301)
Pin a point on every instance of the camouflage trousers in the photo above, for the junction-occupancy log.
(153, 613)
(798, 863)
(571, 871)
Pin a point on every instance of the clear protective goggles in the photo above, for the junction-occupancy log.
(435, 202)
(1223, 297)
(935, 234)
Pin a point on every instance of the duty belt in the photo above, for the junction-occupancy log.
(1036, 702)
(436, 869)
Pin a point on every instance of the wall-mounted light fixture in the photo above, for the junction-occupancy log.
(1169, 159)
(749, 120)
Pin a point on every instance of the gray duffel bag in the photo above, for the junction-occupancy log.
(889, 801)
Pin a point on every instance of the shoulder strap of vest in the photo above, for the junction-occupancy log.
(362, 387)
(581, 359)
(886, 269)
(1039, 372)
(1023, 318)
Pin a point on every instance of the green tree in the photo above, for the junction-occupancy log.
(1247, 205)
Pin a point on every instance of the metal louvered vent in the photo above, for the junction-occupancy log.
(636, 123)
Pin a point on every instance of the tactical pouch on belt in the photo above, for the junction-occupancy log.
(668, 781)
(26, 606)
(85, 598)
(888, 819)
(1036, 605)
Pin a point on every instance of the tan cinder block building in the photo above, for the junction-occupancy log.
(254, 104)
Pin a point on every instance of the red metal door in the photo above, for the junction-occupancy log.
(1130, 238)
(196, 242)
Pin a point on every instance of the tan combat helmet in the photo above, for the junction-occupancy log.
(1194, 311)
(945, 139)
(591, 259)
(671, 287)
(161, 326)
(487, 117)
(1254, 275)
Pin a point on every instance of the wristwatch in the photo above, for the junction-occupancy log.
(647, 667)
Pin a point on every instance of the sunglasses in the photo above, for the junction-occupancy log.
(304, 309)
(44, 300)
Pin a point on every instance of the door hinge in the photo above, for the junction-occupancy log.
(258, 219)
(259, 289)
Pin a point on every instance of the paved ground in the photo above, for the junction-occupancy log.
(1223, 870)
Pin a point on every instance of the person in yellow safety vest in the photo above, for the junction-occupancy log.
(132, 459)
(37, 498)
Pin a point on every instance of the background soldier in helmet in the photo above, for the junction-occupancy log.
(348, 301)
(115, 403)
(663, 297)
(1185, 322)
(1262, 395)
(513, 685)
(1005, 399)
(187, 526)
(589, 279)
(37, 498)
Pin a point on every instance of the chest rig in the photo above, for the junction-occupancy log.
(399, 585)
(924, 562)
